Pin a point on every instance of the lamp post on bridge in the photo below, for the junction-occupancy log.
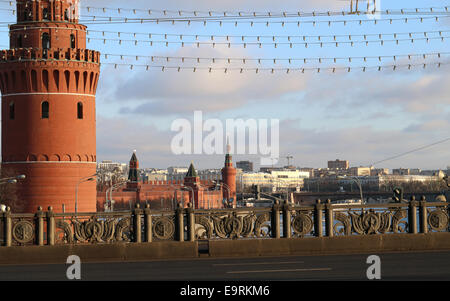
(226, 186)
(82, 180)
(110, 189)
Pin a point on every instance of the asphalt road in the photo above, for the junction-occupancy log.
(394, 266)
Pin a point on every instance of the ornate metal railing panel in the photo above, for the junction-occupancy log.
(93, 228)
(438, 217)
(163, 225)
(279, 221)
(365, 220)
(23, 230)
(303, 222)
(237, 223)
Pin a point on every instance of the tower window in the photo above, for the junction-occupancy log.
(66, 15)
(45, 14)
(19, 41)
(72, 41)
(12, 111)
(26, 15)
(45, 44)
(45, 41)
(45, 110)
(80, 110)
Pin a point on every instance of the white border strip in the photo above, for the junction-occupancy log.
(39, 93)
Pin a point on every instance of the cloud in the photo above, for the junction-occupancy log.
(157, 92)
(361, 145)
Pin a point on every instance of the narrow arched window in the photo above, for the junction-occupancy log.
(66, 15)
(45, 110)
(45, 44)
(12, 111)
(45, 15)
(26, 15)
(80, 110)
(45, 41)
(72, 41)
(19, 41)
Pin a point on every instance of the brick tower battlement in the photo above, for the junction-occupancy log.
(48, 81)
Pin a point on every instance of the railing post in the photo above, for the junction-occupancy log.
(50, 227)
(329, 218)
(40, 227)
(191, 222)
(412, 218)
(318, 217)
(137, 223)
(8, 227)
(275, 219)
(180, 222)
(148, 224)
(286, 220)
(423, 215)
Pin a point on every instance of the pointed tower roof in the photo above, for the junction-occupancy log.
(133, 173)
(134, 157)
(192, 173)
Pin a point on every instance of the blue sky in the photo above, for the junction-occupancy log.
(360, 116)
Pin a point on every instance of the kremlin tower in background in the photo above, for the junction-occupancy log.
(48, 81)
(229, 178)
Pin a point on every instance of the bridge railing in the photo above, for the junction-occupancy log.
(144, 225)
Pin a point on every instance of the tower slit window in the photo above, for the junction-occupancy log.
(19, 41)
(45, 15)
(45, 110)
(72, 41)
(45, 44)
(12, 111)
(80, 110)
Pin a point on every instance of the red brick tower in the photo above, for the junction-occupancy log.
(192, 180)
(48, 81)
(229, 178)
(133, 173)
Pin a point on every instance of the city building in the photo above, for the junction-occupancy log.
(338, 164)
(48, 81)
(401, 171)
(246, 166)
(379, 171)
(372, 183)
(275, 180)
(359, 171)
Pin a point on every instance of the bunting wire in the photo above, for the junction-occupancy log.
(305, 60)
(254, 14)
(213, 37)
(261, 44)
(332, 70)
(116, 20)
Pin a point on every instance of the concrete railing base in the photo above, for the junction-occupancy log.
(330, 245)
(123, 252)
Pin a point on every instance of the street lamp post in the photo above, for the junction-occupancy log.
(11, 180)
(86, 179)
(110, 189)
(226, 186)
(358, 182)
(193, 196)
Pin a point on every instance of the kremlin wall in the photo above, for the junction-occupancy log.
(203, 194)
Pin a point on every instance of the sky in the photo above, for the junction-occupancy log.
(363, 117)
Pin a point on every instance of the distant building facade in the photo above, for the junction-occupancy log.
(338, 164)
(246, 166)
